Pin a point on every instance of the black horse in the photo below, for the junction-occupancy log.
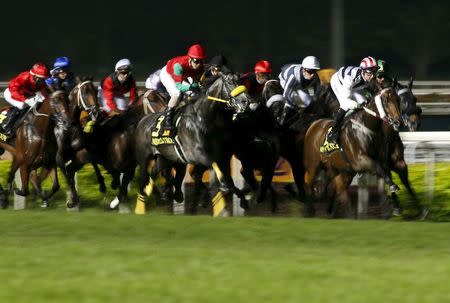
(204, 136)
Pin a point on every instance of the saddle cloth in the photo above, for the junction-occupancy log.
(328, 147)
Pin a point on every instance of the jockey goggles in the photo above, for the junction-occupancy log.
(196, 61)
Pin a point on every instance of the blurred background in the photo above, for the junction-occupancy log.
(412, 35)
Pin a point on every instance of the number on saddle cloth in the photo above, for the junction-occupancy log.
(161, 135)
(328, 147)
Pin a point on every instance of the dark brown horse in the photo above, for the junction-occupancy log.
(361, 149)
(112, 145)
(35, 145)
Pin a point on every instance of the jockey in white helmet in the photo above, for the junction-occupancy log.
(296, 80)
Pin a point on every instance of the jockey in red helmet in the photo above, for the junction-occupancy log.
(182, 74)
(24, 91)
(118, 90)
(350, 84)
(255, 81)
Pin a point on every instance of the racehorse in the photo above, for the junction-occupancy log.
(293, 132)
(35, 145)
(361, 137)
(111, 144)
(204, 136)
(84, 111)
(258, 148)
(411, 112)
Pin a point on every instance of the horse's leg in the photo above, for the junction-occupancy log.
(342, 207)
(201, 191)
(145, 183)
(53, 172)
(24, 175)
(266, 181)
(249, 178)
(126, 179)
(298, 172)
(180, 170)
(310, 175)
(222, 169)
(401, 168)
(70, 171)
(3, 198)
(100, 179)
(375, 166)
(12, 173)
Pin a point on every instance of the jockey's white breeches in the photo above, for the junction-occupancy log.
(347, 99)
(20, 104)
(169, 84)
(121, 101)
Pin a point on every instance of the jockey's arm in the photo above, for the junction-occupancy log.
(343, 92)
(108, 93)
(288, 89)
(14, 88)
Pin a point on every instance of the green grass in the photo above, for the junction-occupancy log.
(440, 204)
(103, 257)
(93, 200)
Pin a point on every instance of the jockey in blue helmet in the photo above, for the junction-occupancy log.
(61, 76)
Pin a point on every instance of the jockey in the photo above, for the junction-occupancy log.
(296, 80)
(61, 76)
(384, 78)
(182, 74)
(24, 91)
(349, 84)
(255, 81)
(217, 66)
(118, 90)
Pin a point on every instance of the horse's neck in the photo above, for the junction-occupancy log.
(210, 112)
(39, 119)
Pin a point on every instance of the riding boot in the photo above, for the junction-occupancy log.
(333, 135)
(9, 122)
(288, 115)
(169, 117)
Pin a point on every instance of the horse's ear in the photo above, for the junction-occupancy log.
(410, 84)
(394, 82)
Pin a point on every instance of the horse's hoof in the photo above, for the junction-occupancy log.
(178, 196)
(244, 204)
(114, 203)
(44, 204)
(71, 204)
(394, 188)
(20, 192)
(396, 212)
(102, 188)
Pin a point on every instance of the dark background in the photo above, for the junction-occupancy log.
(412, 35)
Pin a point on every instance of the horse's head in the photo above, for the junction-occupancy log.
(84, 98)
(411, 113)
(390, 102)
(59, 105)
(228, 90)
